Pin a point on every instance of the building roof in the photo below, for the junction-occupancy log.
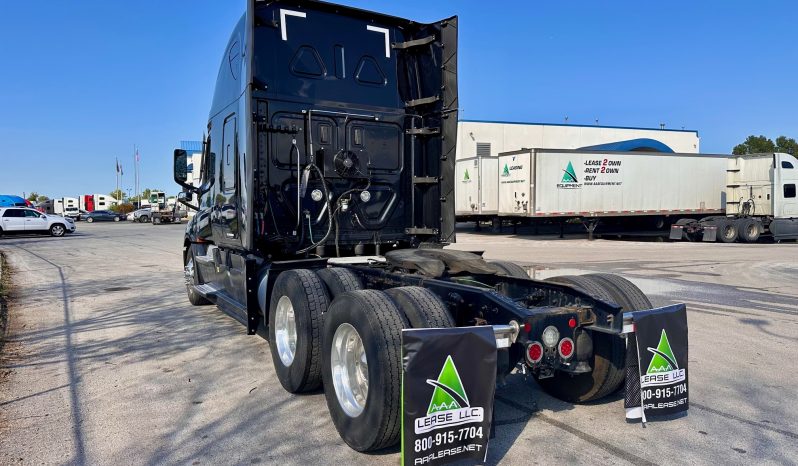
(191, 146)
(578, 126)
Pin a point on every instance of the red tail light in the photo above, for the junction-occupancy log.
(534, 352)
(566, 348)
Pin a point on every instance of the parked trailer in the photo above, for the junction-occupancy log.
(476, 189)
(647, 190)
(330, 141)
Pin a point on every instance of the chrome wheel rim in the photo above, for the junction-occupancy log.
(350, 370)
(285, 330)
(189, 272)
(58, 230)
(729, 232)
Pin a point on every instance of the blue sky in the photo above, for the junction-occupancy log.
(83, 81)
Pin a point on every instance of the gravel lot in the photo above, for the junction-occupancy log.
(107, 363)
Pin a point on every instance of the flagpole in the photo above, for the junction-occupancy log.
(117, 176)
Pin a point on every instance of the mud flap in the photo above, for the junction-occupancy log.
(677, 232)
(656, 362)
(710, 234)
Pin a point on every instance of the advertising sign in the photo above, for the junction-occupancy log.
(448, 383)
(660, 341)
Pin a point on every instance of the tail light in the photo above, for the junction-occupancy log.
(566, 348)
(534, 352)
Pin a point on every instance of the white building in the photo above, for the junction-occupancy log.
(490, 138)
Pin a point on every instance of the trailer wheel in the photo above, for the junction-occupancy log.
(510, 269)
(749, 229)
(727, 231)
(295, 318)
(423, 308)
(362, 368)
(339, 280)
(609, 355)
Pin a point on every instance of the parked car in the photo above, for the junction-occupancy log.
(82, 214)
(25, 220)
(72, 212)
(104, 216)
(141, 215)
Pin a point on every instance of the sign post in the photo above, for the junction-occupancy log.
(656, 370)
(448, 384)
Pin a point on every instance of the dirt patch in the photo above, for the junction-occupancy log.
(4, 287)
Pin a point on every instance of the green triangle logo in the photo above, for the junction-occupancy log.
(506, 171)
(449, 393)
(570, 175)
(663, 360)
(467, 176)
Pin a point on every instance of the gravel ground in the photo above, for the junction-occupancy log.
(107, 363)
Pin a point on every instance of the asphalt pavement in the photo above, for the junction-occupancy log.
(107, 363)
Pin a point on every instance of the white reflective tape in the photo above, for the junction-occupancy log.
(387, 40)
(283, 14)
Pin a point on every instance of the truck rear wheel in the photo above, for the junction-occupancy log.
(339, 280)
(609, 354)
(727, 231)
(295, 318)
(423, 308)
(510, 269)
(750, 230)
(362, 368)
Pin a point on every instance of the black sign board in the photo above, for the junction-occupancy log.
(656, 377)
(448, 383)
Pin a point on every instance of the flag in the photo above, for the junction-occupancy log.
(117, 166)
(138, 159)
(121, 172)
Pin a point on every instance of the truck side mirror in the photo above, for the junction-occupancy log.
(185, 198)
(181, 169)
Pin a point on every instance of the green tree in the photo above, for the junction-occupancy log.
(754, 145)
(117, 194)
(786, 145)
(41, 198)
(33, 196)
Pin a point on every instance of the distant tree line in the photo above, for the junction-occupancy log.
(762, 144)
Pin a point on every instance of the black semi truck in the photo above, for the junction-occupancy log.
(326, 200)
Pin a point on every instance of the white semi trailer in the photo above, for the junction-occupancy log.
(702, 196)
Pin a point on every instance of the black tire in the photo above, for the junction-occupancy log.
(510, 269)
(624, 292)
(144, 219)
(309, 299)
(727, 231)
(423, 308)
(58, 230)
(90, 220)
(609, 355)
(379, 325)
(1, 232)
(193, 297)
(749, 230)
(156, 220)
(339, 280)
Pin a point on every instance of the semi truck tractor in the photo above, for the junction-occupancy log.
(326, 200)
(161, 210)
(699, 196)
